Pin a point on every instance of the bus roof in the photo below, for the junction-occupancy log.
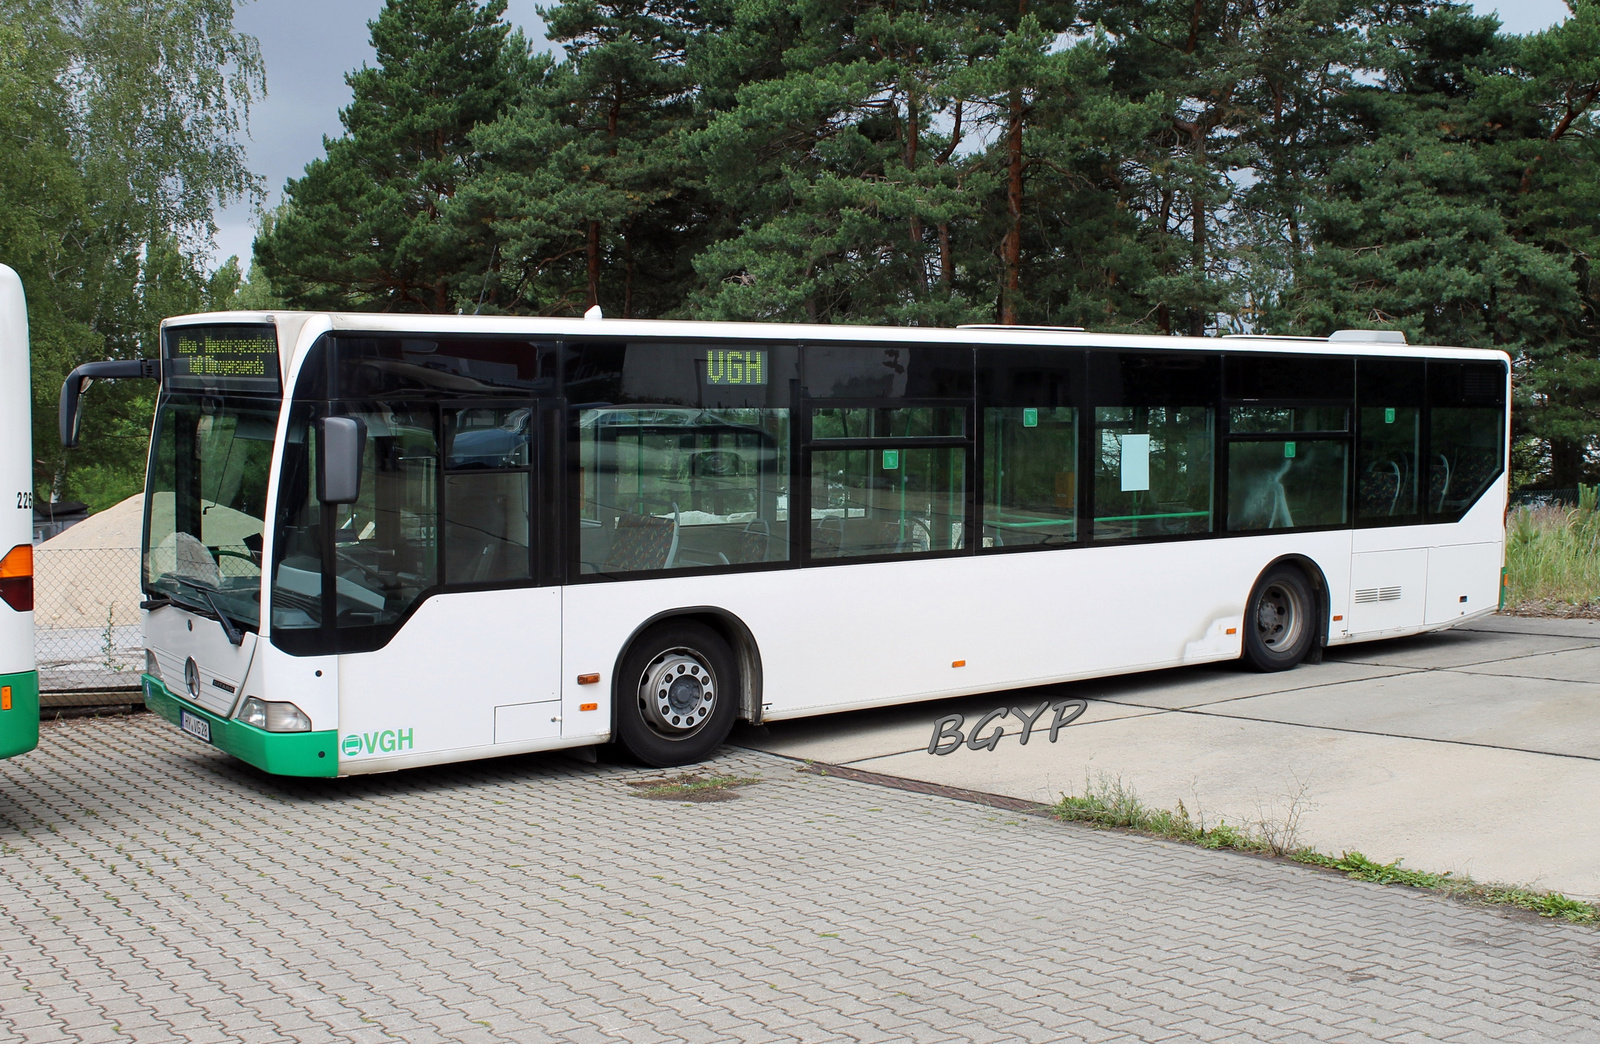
(1343, 342)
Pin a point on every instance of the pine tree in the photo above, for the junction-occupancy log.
(368, 226)
(587, 188)
(835, 150)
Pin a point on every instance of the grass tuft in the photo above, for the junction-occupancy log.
(1109, 803)
(691, 786)
(1553, 558)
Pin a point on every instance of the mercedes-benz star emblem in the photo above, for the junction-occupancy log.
(191, 677)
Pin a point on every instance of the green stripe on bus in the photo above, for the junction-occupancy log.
(280, 753)
(19, 726)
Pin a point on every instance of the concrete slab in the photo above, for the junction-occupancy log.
(1578, 665)
(1221, 682)
(840, 739)
(1454, 648)
(1495, 814)
(1473, 751)
(1540, 625)
(1515, 713)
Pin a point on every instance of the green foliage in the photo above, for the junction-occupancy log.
(1109, 803)
(368, 227)
(1553, 555)
(119, 124)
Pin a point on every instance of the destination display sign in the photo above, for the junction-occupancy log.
(725, 366)
(240, 358)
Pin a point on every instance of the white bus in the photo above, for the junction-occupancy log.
(19, 681)
(381, 541)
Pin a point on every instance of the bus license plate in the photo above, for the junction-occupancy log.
(194, 726)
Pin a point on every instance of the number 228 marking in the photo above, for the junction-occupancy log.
(24, 501)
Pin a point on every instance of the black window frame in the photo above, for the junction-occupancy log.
(1227, 438)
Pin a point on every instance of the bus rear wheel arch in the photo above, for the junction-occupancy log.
(1283, 617)
(678, 691)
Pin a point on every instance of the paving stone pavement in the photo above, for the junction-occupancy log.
(152, 889)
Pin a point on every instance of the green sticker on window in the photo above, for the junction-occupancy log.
(1030, 418)
(891, 460)
(1288, 449)
(1388, 415)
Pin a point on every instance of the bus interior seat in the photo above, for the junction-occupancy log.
(754, 541)
(642, 542)
(1438, 482)
(1381, 483)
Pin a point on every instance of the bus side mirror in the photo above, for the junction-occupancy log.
(78, 382)
(340, 441)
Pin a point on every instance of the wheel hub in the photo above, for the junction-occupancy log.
(677, 693)
(1278, 617)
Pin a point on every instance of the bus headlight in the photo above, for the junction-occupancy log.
(152, 666)
(274, 717)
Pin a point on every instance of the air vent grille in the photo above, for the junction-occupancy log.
(1367, 595)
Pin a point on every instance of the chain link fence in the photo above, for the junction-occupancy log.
(87, 638)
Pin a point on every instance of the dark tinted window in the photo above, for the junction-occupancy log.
(1391, 382)
(870, 371)
(1391, 394)
(426, 367)
(1270, 377)
(1152, 379)
(1466, 434)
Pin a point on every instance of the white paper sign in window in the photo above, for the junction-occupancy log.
(1135, 463)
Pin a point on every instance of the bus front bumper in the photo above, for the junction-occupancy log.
(19, 713)
(280, 753)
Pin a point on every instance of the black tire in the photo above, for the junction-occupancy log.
(1280, 620)
(677, 695)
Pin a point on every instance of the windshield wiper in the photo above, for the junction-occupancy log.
(229, 628)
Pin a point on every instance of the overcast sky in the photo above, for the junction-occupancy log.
(306, 88)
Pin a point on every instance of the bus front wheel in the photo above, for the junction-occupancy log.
(1280, 620)
(677, 695)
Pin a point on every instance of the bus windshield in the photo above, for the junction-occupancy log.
(206, 502)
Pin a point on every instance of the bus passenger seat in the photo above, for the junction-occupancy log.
(1380, 488)
(643, 542)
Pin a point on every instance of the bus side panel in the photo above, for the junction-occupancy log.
(470, 670)
(19, 682)
(1409, 578)
(841, 636)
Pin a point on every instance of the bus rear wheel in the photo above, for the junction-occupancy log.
(1279, 624)
(677, 695)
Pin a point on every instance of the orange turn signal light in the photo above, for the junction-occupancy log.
(16, 578)
(588, 679)
(5, 697)
(1233, 630)
(1336, 619)
(588, 706)
(958, 663)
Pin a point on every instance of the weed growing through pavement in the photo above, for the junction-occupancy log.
(1110, 803)
(690, 786)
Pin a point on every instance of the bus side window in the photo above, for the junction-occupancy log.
(1389, 471)
(1466, 435)
(1028, 407)
(686, 464)
(1153, 443)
